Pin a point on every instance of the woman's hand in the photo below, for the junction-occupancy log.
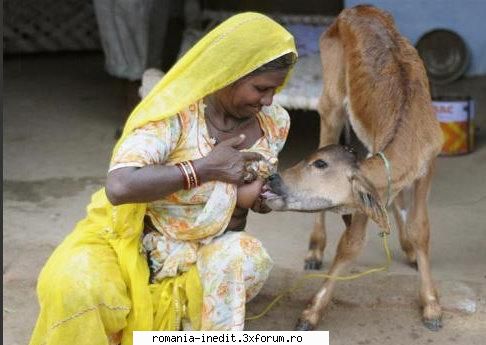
(225, 163)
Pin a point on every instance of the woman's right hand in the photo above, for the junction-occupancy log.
(225, 163)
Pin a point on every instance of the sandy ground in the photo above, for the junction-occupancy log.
(60, 115)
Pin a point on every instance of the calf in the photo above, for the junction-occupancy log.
(375, 80)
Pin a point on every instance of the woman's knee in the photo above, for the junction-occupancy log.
(253, 249)
(257, 263)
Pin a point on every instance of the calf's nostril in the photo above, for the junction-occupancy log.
(272, 177)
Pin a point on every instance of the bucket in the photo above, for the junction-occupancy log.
(456, 117)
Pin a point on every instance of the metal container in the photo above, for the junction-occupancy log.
(456, 117)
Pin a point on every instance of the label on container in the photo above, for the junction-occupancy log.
(457, 111)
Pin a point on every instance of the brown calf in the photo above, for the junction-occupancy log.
(374, 79)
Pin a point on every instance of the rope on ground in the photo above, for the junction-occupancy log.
(306, 277)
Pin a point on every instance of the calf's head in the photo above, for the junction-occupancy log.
(328, 179)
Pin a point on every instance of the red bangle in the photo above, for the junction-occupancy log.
(191, 179)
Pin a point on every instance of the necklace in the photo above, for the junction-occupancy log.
(213, 127)
(226, 130)
(214, 137)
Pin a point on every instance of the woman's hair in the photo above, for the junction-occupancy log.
(283, 62)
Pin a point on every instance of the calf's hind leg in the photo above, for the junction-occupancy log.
(317, 243)
(418, 231)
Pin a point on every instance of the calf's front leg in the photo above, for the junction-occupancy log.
(349, 246)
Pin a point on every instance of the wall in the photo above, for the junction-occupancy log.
(465, 17)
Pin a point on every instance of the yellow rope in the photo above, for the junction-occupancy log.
(299, 282)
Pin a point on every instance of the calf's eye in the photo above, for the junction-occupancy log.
(320, 164)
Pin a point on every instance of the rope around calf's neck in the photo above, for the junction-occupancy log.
(388, 176)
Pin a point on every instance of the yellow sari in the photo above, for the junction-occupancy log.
(118, 272)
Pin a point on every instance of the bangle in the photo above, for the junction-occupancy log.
(191, 179)
(184, 174)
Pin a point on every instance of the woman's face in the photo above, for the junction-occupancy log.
(247, 96)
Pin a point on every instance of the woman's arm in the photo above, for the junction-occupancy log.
(153, 182)
(149, 183)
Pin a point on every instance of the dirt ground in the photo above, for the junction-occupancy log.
(60, 116)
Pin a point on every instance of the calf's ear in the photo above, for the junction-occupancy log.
(368, 201)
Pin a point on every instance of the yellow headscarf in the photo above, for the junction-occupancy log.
(233, 49)
(238, 46)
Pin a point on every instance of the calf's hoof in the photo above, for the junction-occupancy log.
(312, 264)
(432, 315)
(303, 325)
(433, 324)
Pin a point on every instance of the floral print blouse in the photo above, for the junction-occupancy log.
(187, 219)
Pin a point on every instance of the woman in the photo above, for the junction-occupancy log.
(161, 247)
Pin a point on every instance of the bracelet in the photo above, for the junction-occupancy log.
(191, 179)
(194, 177)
